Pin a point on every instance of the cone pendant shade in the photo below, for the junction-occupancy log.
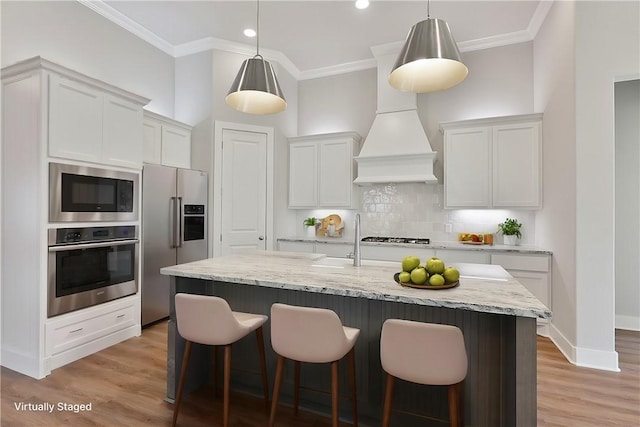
(429, 61)
(255, 89)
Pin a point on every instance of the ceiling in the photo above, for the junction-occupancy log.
(320, 35)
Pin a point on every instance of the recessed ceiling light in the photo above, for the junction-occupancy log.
(362, 4)
(249, 32)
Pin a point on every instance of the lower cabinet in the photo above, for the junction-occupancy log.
(534, 273)
(78, 334)
(287, 246)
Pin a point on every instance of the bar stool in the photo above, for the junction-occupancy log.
(209, 320)
(424, 353)
(313, 335)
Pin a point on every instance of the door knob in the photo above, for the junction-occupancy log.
(260, 237)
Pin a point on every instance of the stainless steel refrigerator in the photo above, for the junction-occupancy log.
(174, 230)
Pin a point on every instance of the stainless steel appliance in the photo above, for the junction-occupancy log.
(412, 240)
(79, 194)
(91, 265)
(174, 220)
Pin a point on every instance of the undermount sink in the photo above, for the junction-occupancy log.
(331, 262)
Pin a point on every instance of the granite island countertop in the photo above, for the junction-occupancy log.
(483, 288)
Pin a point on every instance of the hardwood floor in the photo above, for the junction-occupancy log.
(125, 385)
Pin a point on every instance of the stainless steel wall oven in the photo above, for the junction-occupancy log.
(91, 265)
(79, 194)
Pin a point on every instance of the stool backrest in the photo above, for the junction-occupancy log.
(206, 319)
(307, 334)
(423, 353)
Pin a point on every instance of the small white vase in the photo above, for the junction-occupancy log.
(511, 240)
(310, 230)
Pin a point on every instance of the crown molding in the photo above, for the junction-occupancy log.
(129, 24)
(210, 43)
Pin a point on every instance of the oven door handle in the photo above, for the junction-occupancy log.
(92, 245)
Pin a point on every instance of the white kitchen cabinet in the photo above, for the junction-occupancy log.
(50, 111)
(322, 169)
(450, 256)
(338, 249)
(493, 163)
(533, 271)
(166, 141)
(87, 123)
(395, 253)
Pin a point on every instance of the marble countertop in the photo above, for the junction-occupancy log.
(483, 288)
(520, 249)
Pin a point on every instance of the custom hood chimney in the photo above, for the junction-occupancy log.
(397, 148)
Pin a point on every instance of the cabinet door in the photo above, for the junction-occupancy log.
(286, 246)
(122, 133)
(453, 256)
(516, 165)
(467, 168)
(176, 147)
(152, 142)
(335, 178)
(75, 120)
(303, 175)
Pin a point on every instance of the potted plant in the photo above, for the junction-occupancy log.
(311, 224)
(510, 229)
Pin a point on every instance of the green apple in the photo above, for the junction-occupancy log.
(451, 274)
(409, 263)
(419, 276)
(436, 280)
(435, 266)
(404, 277)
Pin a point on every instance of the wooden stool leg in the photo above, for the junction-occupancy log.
(183, 371)
(455, 407)
(334, 394)
(352, 383)
(227, 375)
(263, 367)
(296, 386)
(216, 377)
(276, 390)
(388, 399)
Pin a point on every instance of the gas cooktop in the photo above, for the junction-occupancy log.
(377, 239)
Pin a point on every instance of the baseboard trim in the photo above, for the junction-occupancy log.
(584, 357)
(629, 323)
(22, 363)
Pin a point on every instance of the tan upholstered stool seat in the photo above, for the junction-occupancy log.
(313, 335)
(424, 353)
(209, 320)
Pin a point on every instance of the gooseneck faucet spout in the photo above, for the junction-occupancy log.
(356, 243)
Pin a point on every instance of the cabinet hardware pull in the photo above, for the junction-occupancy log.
(76, 330)
(119, 316)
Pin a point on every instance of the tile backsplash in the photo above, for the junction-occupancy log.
(416, 210)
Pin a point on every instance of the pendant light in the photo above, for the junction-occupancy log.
(255, 89)
(430, 59)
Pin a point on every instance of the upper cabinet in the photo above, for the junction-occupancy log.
(166, 141)
(493, 163)
(322, 169)
(89, 123)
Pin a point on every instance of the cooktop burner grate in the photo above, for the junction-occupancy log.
(413, 240)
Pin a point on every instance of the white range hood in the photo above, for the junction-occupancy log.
(396, 149)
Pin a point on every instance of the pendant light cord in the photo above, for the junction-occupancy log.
(258, 29)
(428, 6)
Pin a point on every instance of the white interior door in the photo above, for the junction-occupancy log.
(244, 191)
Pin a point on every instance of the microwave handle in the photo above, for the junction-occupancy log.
(73, 247)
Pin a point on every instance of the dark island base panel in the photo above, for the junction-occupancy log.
(500, 388)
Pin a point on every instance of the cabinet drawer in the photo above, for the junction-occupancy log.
(397, 253)
(296, 246)
(78, 329)
(474, 257)
(340, 250)
(522, 262)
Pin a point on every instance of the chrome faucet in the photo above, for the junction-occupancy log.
(356, 243)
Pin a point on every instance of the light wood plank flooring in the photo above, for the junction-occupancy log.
(125, 385)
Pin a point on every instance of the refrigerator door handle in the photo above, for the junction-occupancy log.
(179, 220)
(174, 222)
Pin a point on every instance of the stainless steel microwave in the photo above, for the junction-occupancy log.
(79, 194)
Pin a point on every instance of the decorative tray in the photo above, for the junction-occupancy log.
(413, 285)
(469, 242)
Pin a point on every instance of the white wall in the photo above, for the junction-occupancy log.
(554, 93)
(607, 49)
(70, 34)
(627, 209)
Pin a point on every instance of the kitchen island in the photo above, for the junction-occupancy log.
(496, 314)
